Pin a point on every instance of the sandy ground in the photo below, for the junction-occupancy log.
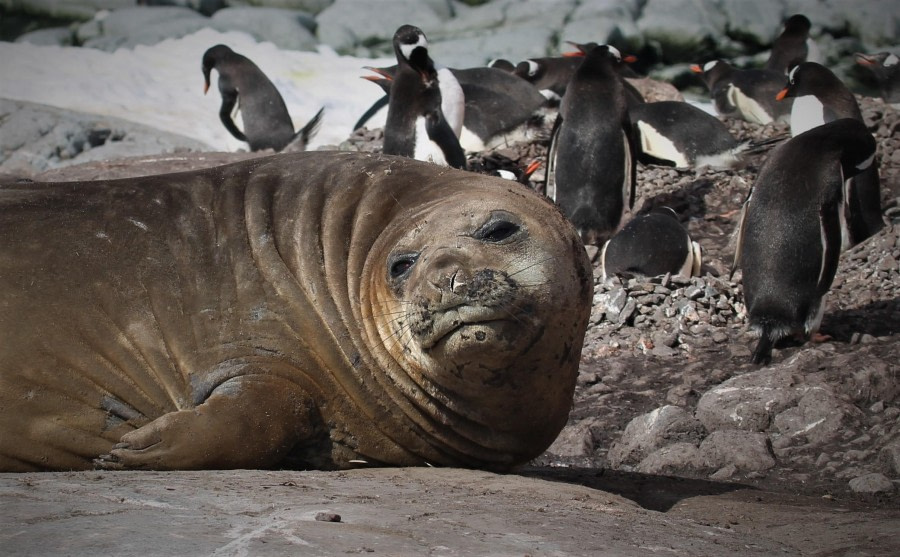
(422, 512)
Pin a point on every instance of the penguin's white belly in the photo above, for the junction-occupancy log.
(659, 146)
(751, 110)
(807, 113)
(426, 149)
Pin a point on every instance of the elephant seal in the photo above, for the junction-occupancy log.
(316, 310)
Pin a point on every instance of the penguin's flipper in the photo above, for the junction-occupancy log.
(367, 115)
(440, 132)
(697, 259)
(550, 176)
(229, 100)
(830, 230)
(740, 236)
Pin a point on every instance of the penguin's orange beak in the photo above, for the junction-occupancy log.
(630, 58)
(696, 68)
(381, 74)
(205, 87)
(529, 170)
(781, 94)
(573, 54)
(864, 60)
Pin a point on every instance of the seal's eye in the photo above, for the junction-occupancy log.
(400, 264)
(497, 230)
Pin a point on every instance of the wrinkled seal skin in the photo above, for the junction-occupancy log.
(322, 310)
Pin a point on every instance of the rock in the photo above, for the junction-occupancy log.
(749, 402)
(756, 22)
(129, 27)
(675, 459)
(646, 433)
(574, 440)
(287, 29)
(684, 30)
(53, 36)
(871, 484)
(819, 417)
(73, 10)
(875, 22)
(346, 24)
(310, 6)
(746, 451)
(889, 458)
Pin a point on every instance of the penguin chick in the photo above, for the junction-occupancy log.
(744, 94)
(591, 161)
(651, 244)
(789, 238)
(886, 67)
(416, 125)
(267, 124)
(793, 46)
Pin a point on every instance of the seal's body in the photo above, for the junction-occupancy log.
(314, 309)
(789, 240)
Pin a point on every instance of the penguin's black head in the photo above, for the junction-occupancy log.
(797, 24)
(410, 42)
(214, 55)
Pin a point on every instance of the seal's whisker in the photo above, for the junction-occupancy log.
(536, 263)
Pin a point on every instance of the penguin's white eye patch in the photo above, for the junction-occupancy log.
(615, 52)
(532, 68)
(891, 60)
(709, 65)
(791, 74)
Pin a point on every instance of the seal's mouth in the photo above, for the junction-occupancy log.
(458, 318)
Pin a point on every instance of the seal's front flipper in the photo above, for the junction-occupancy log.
(250, 421)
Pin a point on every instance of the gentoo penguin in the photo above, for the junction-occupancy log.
(416, 125)
(675, 133)
(886, 67)
(789, 238)
(746, 94)
(820, 97)
(550, 75)
(793, 46)
(632, 96)
(267, 124)
(651, 244)
(499, 107)
(591, 161)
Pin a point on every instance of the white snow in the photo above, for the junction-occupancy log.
(162, 85)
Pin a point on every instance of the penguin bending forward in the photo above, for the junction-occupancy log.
(651, 244)
(789, 239)
(591, 162)
(267, 123)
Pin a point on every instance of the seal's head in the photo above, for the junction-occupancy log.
(481, 300)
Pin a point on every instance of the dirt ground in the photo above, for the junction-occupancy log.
(572, 500)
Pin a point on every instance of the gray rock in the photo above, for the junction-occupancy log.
(757, 22)
(512, 42)
(311, 6)
(53, 36)
(346, 24)
(675, 459)
(747, 451)
(872, 483)
(875, 22)
(818, 418)
(648, 432)
(34, 138)
(749, 402)
(575, 440)
(685, 30)
(130, 27)
(76, 10)
(889, 458)
(287, 29)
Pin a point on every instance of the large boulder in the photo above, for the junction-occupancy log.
(140, 25)
(287, 29)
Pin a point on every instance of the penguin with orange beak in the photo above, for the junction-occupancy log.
(267, 123)
(745, 94)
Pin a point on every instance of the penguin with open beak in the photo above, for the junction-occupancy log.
(416, 125)
(789, 238)
(820, 97)
(886, 67)
(591, 161)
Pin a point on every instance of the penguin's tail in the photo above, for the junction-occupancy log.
(305, 134)
(751, 147)
(762, 354)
